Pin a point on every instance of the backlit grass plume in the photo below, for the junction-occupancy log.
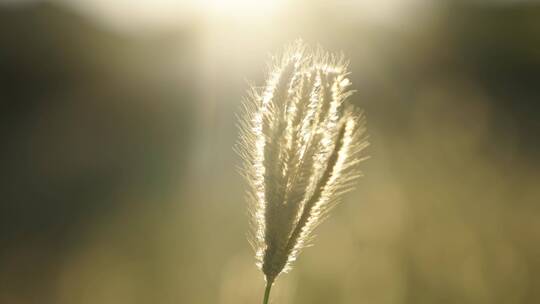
(301, 143)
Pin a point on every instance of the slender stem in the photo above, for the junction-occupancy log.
(267, 291)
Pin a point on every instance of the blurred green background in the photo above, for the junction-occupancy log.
(118, 176)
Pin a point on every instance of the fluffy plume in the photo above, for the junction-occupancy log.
(301, 143)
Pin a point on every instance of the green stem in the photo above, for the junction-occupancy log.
(267, 292)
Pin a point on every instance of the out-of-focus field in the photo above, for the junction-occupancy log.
(117, 124)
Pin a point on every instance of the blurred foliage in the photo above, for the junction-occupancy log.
(118, 175)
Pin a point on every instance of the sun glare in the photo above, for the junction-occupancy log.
(240, 8)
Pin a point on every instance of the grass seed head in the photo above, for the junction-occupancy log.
(301, 143)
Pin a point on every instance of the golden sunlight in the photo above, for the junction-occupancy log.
(240, 8)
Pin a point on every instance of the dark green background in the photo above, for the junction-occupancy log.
(118, 180)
